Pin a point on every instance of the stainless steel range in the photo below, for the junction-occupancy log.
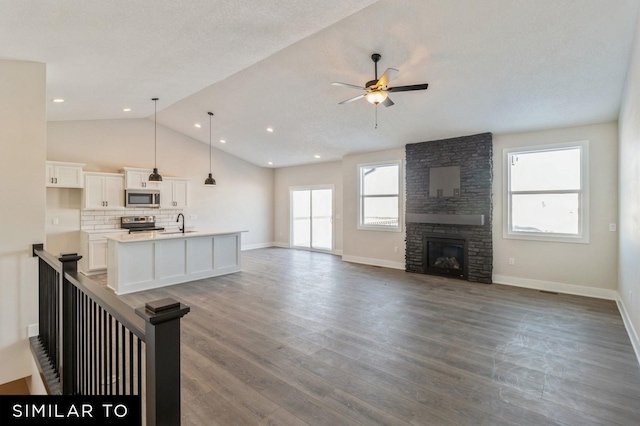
(139, 224)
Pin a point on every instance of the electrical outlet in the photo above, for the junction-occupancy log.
(194, 216)
(612, 227)
(395, 249)
(55, 221)
(512, 261)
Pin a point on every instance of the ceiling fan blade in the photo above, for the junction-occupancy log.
(408, 88)
(388, 102)
(352, 86)
(389, 74)
(351, 99)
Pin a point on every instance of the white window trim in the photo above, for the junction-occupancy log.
(583, 235)
(360, 225)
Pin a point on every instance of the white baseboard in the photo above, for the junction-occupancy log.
(374, 262)
(281, 245)
(337, 252)
(578, 290)
(256, 246)
(631, 331)
(33, 330)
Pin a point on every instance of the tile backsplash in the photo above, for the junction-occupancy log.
(97, 220)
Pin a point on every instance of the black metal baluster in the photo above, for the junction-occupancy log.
(123, 357)
(116, 350)
(84, 343)
(107, 354)
(139, 367)
(110, 340)
(130, 363)
(95, 314)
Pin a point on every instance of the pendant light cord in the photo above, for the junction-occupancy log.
(155, 132)
(210, 115)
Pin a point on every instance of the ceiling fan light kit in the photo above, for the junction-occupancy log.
(376, 97)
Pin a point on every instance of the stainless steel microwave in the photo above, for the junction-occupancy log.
(149, 198)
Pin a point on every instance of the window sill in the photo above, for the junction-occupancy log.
(551, 238)
(378, 228)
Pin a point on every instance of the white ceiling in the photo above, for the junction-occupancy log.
(492, 66)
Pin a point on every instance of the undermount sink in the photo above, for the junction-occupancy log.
(175, 232)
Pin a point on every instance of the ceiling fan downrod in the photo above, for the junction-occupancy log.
(375, 58)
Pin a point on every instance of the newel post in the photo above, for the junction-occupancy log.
(69, 367)
(162, 338)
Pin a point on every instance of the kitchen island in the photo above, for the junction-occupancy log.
(149, 260)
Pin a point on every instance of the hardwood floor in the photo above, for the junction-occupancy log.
(302, 338)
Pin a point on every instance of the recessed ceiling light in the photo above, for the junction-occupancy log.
(270, 163)
(317, 156)
(269, 129)
(126, 109)
(57, 100)
(197, 125)
(223, 141)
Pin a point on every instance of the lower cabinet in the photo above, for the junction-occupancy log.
(94, 251)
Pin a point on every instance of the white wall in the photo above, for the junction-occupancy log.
(242, 198)
(308, 175)
(586, 269)
(629, 199)
(22, 159)
(365, 246)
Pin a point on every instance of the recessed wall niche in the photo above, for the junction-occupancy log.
(444, 181)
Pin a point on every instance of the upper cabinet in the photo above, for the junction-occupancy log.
(64, 175)
(174, 193)
(103, 191)
(138, 178)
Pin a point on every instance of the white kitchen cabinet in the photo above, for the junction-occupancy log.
(93, 247)
(174, 193)
(138, 178)
(103, 191)
(64, 175)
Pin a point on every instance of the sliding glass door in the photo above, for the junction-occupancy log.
(312, 217)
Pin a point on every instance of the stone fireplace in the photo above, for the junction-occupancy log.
(448, 214)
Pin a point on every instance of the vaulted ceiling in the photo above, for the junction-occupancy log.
(492, 66)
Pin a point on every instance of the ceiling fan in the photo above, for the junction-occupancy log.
(376, 90)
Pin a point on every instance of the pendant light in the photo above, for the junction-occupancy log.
(155, 176)
(210, 181)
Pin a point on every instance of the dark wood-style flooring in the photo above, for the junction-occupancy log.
(302, 338)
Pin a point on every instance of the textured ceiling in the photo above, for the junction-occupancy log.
(492, 66)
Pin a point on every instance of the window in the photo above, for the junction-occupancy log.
(547, 193)
(380, 202)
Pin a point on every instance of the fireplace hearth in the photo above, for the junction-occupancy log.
(445, 256)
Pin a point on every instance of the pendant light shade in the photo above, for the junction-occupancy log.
(155, 176)
(210, 181)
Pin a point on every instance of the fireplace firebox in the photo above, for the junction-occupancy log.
(445, 256)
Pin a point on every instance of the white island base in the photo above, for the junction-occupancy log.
(150, 260)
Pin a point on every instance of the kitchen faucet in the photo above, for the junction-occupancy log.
(178, 220)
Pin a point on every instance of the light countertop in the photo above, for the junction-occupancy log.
(164, 235)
